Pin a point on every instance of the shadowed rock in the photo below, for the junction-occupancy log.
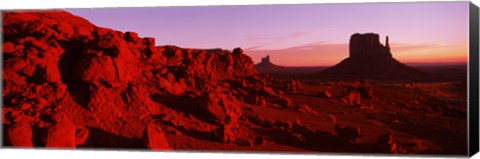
(369, 59)
(347, 132)
(266, 64)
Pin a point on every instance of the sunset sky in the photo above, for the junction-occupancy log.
(301, 35)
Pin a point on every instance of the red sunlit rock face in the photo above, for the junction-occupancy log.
(69, 83)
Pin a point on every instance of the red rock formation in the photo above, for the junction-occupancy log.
(19, 135)
(154, 138)
(266, 64)
(62, 134)
(369, 59)
(110, 84)
(368, 46)
(220, 107)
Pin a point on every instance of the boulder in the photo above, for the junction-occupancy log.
(154, 138)
(225, 134)
(298, 139)
(96, 70)
(237, 51)
(252, 99)
(291, 85)
(8, 47)
(352, 98)
(81, 136)
(220, 107)
(131, 37)
(285, 101)
(177, 88)
(52, 74)
(268, 91)
(325, 94)
(171, 86)
(61, 135)
(365, 92)
(19, 135)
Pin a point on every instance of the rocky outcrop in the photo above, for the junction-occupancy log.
(369, 59)
(221, 108)
(106, 83)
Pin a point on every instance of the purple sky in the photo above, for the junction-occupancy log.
(318, 32)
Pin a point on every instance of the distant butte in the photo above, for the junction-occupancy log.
(266, 63)
(369, 59)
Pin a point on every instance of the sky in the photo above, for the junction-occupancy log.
(301, 35)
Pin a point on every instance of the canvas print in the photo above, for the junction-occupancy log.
(382, 78)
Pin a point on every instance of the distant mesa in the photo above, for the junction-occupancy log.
(368, 46)
(369, 59)
(266, 64)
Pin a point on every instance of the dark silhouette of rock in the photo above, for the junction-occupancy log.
(368, 46)
(237, 51)
(259, 140)
(387, 143)
(266, 64)
(369, 59)
(347, 132)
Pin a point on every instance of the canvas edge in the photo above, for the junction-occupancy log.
(2, 130)
(473, 81)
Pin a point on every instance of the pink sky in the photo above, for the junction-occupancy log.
(301, 35)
